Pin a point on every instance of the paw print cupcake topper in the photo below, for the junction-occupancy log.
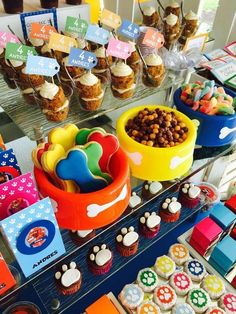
(165, 297)
(199, 300)
(147, 279)
(100, 259)
(170, 210)
(131, 296)
(148, 307)
(127, 241)
(228, 303)
(68, 278)
(149, 224)
(164, 266)
(195, 270)
(214, 286)
(179, 253)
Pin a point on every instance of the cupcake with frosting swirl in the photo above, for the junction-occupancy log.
(122, 80)
(155, 69)
(150, 16)
(171, 29)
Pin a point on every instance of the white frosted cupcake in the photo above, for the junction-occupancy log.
(150, 16)
(171, 29)
(103, 64)
(155, 69)
(90, 91)
(122, 80)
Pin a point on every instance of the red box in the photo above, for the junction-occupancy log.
(233, 283)
(197, 247)
(7, 281)
(231, 204)
(233, 233)
(205, 233)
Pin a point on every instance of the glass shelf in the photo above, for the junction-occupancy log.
(27, 116)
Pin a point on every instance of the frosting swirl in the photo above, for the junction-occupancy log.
(153, 59)
(100, 52)
(48, 90)
(121, 69)
(171, 19)
(88, 79)
(36, 42)
(191, 16)
(148, 11)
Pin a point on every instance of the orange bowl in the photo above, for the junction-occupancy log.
(94, 210)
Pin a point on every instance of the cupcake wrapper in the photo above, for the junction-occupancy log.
(80, 241)
(127, 251)
(188, 202)
(96, 270)
(70, 290)
(169, 217)
(147, 233)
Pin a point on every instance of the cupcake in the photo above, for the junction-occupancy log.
(46, 51)
(103, 64)
(189, 195)
(164, 266)
(68, 279)
(190, 22)
(149, 224)
(165, 297)
(82, 236)
(131, 296)
(37, 43)
(99, 259)
(181, 283)
(199, 300)
(150, 16)
(215, 310)
(23, 307)
(13, 6)
(171, 29)
(228, 303)
(214, 286)
(134, 60)
(182, 308)
(170, 210)
(53, 102)
(10, 70)
(147, 279)
(48, 4)
(195, 270)
(172, 8)
(67, 73)
(122, 80)
(29, 94)
(155, 69)
(127, 241)
(29, 80)
(90, 91)
(179, 253)
(134, 202)
(151, 189)
(148, 307)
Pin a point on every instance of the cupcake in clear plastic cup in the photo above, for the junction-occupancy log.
(90, 91)
(13, 6)
(154, 72)
(23, 307)
(210, 195)
(54, 101)
(122, 80)
(48, 4)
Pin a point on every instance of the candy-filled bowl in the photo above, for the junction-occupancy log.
(213, 130)
(157, 163)
(83, 211)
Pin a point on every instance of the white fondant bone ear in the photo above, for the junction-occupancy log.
(103, 257)
(70, 277)
(130, 238)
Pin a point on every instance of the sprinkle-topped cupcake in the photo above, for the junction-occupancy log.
(215, 310)
(149, 224)
(131, 296)
(214, 286)
(228, 303)
(150, 189)
(148, 307)
(195, 270)
(189, 195)
(181, 283)
(164, 266)
(165, 297)
(127, 241)
(182, 308)
(179, 253)
(147, 279)
(199, 300)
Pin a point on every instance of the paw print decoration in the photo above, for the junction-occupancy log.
(198, 299)
(165, 297)
(68, 276)
(191, 190)
(229, 302)
(172, 205)
(147, 279)
(164, 266)
(131, 296)
(100, 255)
(127, 238)
(195, 270)
(179, 253)
(148, 307)
(151, 220)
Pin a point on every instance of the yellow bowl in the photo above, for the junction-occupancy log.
(153, 163)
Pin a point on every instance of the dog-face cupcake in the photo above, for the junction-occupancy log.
(90, 91)
(122, 80)
(155, 69)
(150, 16)
(189, 195)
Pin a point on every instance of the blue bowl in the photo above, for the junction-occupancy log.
(213, 130)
